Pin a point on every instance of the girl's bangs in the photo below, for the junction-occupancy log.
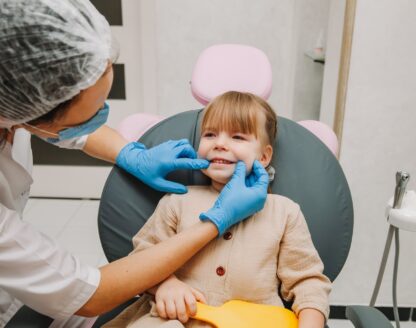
(231, 115)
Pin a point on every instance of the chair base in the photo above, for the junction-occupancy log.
(367, 317)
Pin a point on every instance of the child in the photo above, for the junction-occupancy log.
(253, 260)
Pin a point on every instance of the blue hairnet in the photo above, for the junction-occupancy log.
(50, 50)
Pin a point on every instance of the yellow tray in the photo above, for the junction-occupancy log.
(240, 314)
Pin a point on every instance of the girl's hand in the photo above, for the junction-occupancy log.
(177, 300)
(311, 318)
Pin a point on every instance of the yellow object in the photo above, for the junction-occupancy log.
(240, 314)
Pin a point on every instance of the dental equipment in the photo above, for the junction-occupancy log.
(399, 218)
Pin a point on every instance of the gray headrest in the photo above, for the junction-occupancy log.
(306, 171)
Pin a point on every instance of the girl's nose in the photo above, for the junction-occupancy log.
(221, 142)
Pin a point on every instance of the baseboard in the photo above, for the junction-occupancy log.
(338, 312)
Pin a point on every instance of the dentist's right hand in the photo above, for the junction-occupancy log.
(241, 197)
(152, 165)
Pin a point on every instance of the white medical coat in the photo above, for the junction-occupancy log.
(34, 270)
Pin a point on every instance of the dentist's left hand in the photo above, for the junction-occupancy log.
(240, 198)
(152, 165)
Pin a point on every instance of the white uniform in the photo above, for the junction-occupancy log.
(33, 269)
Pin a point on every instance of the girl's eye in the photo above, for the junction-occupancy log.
(209, 134)
(239, 137)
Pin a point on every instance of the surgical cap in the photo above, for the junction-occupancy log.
(50, 50)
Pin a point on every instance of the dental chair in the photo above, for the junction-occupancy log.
(306, 171)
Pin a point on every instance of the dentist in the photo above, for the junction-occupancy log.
(55, 75)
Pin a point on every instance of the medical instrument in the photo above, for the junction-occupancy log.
(395, 214)
(402, 178)
(242, 314)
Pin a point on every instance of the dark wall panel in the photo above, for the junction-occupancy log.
(47, 154)
(111, 9)
(118, 90)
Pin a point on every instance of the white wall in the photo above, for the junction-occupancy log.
(311, 18)
(379, 138)
(182, 29)
(160, 41)
(333, 55)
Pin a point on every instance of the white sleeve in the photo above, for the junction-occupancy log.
(74, 143)
(39, 273)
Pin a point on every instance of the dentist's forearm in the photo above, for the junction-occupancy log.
(105, 143)
(121, 280)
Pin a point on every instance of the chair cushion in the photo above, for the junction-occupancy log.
(231, 67)
(367, 317)
(134, 126)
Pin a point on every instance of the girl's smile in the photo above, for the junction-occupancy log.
(223, 150)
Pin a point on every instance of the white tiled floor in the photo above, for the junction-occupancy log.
(73, 223)
(348, 324)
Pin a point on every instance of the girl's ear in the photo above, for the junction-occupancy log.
(266, 155)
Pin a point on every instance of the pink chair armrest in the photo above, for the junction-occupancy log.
(134, 126)
(324, 133)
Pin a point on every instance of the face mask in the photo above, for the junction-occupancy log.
(80, 130)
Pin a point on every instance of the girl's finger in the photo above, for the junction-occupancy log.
(181, 312)
(199, 296)
(160, 307)
(190, 304)
(170, 309)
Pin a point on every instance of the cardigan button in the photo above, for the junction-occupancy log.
(228, 235)
(220, 271)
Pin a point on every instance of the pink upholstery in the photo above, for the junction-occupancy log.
(324, 133)
(227, 67)
(134, 126)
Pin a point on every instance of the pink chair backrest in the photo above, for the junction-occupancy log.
(231, 67)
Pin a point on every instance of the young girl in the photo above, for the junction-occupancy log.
(253, 260)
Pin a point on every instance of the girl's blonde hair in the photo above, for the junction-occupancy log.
(236, 111)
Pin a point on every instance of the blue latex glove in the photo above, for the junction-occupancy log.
(241, 197)
(152, 165)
